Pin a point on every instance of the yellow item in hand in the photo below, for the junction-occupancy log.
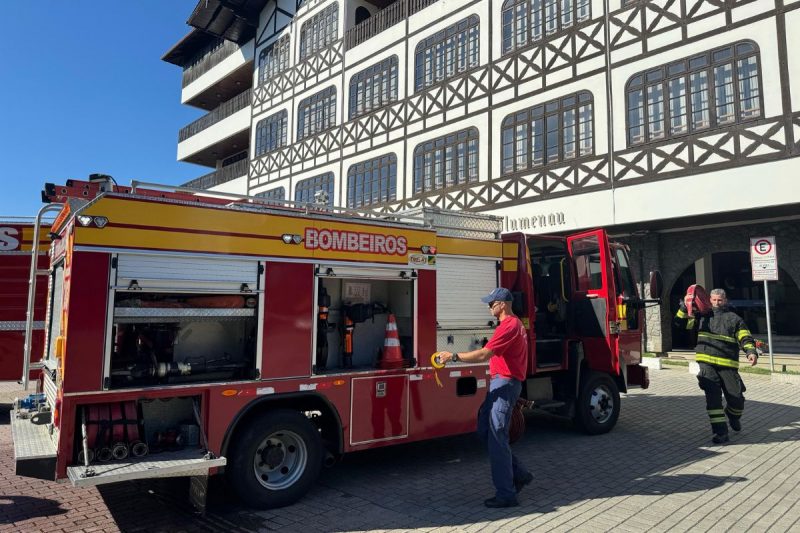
(437, 364)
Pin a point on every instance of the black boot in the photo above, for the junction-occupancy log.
(720, 438)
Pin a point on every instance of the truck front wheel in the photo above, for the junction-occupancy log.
(275, 460)
(598, 404)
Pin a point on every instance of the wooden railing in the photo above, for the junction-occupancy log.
(224, 110)
(218, 177)
(383, 20)
(207, 60)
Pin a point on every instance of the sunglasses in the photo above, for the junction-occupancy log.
(491, 305)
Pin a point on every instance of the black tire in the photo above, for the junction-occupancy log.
(275, 460)
(598, 406)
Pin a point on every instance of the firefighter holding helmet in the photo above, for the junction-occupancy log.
(720, 333)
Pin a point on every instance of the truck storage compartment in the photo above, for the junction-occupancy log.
(170, 338)
(354, 307)
(136, 439)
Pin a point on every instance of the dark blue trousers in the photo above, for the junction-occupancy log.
(494, 418)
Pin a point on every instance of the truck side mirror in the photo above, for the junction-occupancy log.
(656, 285)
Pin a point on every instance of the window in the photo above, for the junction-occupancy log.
(271, 133)
(316, 113)
(321, 30)
(306, 189)
(528, 21)
(372, 182)
(453, 50)
(447, 161)
(278, 193)
(273, 59)
(709, 90)
(558, 130)
(373, 87)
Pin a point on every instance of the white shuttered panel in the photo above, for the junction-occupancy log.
(175, 272)
(460, 284)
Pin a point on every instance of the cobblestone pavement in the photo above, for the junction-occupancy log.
(657, 471)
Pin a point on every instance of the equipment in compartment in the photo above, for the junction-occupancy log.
(119, 431)
(162, 338)
(358, 309)
(111, 431)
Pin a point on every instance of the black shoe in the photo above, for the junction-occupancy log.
(494, 503)
(520, 483)
(735, 424)
(720, 439)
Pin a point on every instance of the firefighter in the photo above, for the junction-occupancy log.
(507, 352)
(720, 333)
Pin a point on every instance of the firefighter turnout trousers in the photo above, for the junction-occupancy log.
(716, 381)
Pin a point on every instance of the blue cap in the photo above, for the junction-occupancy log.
(498, 295)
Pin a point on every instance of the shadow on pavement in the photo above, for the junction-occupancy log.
(442, 483)
(19, 508)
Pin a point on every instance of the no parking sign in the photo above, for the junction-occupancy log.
(764, 258)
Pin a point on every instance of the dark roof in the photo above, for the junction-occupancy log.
(232, 20)
(185, 49)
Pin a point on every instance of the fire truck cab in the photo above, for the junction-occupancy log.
(190, 333)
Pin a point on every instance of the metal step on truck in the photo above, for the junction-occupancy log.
(191, 333)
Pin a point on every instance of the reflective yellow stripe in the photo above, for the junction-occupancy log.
(681, 313)
(736, 412)
(690, 323)
(717, 337)
(713, 360)
(715, 411)
(742, 333)
(717, 419)
(749, 346)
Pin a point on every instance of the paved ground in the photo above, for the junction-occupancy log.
(656, 471)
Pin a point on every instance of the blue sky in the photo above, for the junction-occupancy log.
(84, 90)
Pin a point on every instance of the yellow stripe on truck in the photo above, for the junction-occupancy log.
(473, 247)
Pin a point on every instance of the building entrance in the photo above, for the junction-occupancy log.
(731, 271)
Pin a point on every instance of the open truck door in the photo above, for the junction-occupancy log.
(598, 402)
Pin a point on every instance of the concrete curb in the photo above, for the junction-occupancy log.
(652, 363)
(792, 379)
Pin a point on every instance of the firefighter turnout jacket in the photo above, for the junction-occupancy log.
(720, 332)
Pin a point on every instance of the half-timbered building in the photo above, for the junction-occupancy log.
(675, 123)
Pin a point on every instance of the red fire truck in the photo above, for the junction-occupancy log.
(191, 333)
(16, 234)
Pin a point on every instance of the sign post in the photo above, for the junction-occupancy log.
(764, 265)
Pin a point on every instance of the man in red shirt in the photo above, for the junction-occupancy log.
(507, 352)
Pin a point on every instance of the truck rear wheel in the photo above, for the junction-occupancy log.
(275, 460)
(598, 404)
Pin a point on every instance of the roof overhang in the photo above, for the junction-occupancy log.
(232, 20)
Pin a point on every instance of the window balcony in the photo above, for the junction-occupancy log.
(237, 103)
(383, 20)
(208, 59)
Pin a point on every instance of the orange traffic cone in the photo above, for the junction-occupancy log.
(392, 355)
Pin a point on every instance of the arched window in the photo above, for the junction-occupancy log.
(306, 190)
(373, 87)
(449, 52)
(709, 90)
(558, 130)
(447, 161)
(372, 182)
(273, 59)
(316, 113)
(528, 21)
(319, 31)
(362, 14)
(271, 133)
